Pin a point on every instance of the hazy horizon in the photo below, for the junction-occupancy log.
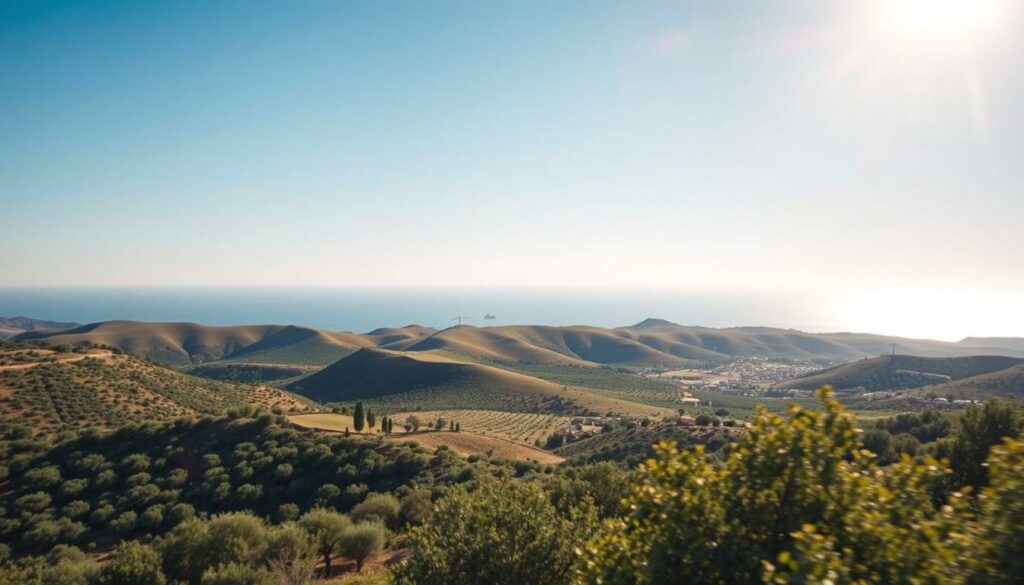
(859, 163)
(362, 309)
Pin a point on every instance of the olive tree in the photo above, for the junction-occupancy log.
(503, 533)
(327, 528)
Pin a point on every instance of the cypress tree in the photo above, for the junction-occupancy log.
(358, 417)
(458, 427)
(371, 419)
(451, 426)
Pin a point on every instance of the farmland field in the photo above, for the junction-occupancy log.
(515, 426)
(324, 421)
(608, 383)
(466, 443)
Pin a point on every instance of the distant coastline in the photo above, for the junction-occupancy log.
(364, 309)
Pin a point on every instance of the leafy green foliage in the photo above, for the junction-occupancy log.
(795, 500)
(981, 428)
(132, 564)
(362, 540)
(503, 533)
(383, 508)
(327, 529)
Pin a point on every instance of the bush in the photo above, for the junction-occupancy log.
(361, 541)
(416, 507)
(124, 523)
(132, 563)
(287, 512)
(326, 528)
(384, 508)
(508, 533)
(237, 574)
(796, 501)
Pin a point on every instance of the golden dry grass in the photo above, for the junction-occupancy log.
(323, 421)
(53, 390)
(518, 427)
(466, 443)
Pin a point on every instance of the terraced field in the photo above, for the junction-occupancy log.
(324, 421)
(58, 390)
(466, 443)
(607, 382)
(519, 427)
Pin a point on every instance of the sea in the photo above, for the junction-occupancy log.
(365, 309)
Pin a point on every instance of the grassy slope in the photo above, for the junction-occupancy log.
(882, 373)
(651, 342)
(524, 428)
(1006, 383)
(466, 443)
(394, 381)
(173, 343)
(55, 390)
(634, 444)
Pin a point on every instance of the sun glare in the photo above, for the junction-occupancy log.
(934, 313)
(945, 20)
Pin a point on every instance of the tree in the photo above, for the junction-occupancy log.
(287, 512)
(458, 427)
(132, 563)
(196, 546)
(412, 421)
(326, 527)
(999, 554)
(237, 574)
(384, 508)
(371, 419)
(980, 429)
(358, 417)
(508, 533)
(451, 426)
(361, 541)
(416, 507)
(795, 501)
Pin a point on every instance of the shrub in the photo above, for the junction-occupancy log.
(326, 527)
(237, 574)
(508, 533)
(384, 508)
(124, 523)
(796, 501)
(361, 541)
(416, 507)
(287, 512)
(132, 563)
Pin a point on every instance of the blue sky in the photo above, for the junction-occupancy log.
(870, 146)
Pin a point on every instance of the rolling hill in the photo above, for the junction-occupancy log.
(901, 371)
(172, 343)
(410, 381)
(792, 344)
(466, 443)
(55, 390)
(376, 373)
(191, 343)
(1005, 383)
(653, 342)
(11, 326)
